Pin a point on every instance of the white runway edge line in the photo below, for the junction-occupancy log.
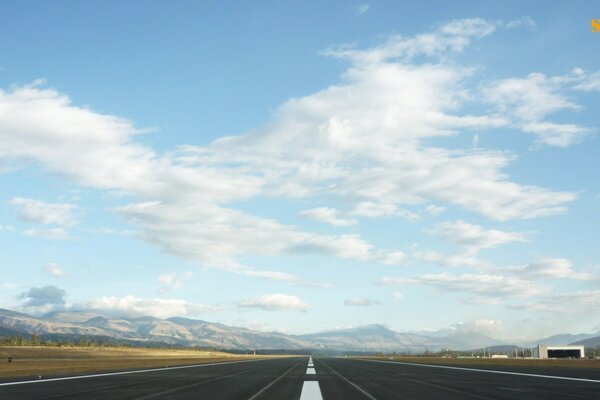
(490, 371)
(139, 371)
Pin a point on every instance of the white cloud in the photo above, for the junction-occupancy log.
(327, 215)
(40, 212)
(159, 308)
(374, 210)
(215, 236)
(434, 210)
(282, 277)
(488, 288)
(362, 9)
(50, 233)
(527, 101)
(524, 22)
(559, 268)
(452, 37)
(584, 301)
(172, 281)
(275, 302)
(484, 326)
(361, 302)
(559, 135)
(7, 228)
(363, 141)
(53, 269)
(398, 296)
(589, 82)
(474, 237)
(530, 98)
(467, 260)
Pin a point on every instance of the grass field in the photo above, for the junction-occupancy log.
(521, 362)
(43, 361)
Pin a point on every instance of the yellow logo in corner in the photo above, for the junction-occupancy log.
(595, 26)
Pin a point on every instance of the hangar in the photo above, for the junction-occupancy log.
(567, 351)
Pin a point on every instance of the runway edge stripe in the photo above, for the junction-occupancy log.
(140, 371)
(489, 371)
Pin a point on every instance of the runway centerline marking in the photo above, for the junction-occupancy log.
(261, 391)
(354, 385)
(311, 391)
(139, 371)
(489, 371)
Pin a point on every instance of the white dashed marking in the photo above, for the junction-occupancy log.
(311, 391)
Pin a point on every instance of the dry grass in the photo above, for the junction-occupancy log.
(507, 362)
(38, 360)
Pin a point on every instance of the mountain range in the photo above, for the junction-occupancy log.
(64, 325)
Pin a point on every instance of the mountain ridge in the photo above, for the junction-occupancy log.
(181, 331)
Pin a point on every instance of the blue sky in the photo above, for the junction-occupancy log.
(302, 166)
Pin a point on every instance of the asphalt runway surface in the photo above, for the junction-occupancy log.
(321, 378)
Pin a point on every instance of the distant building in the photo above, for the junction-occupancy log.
(567, 351)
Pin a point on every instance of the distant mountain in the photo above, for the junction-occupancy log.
(563, 339)
(469, 340)
(372, 338)
(9, 332)
(191, 332)
(590, 342)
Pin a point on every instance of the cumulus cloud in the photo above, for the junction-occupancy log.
(361, 302)
(327, 215)
(275, 302)
(40, 212)
(364, 141)
(398, 296)
(43, 299)
(53, 269)
(136, 306)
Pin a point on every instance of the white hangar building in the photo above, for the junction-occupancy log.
(570, 351)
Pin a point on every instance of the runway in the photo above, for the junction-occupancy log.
(317, 379)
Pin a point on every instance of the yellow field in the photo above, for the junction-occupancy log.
(531, 362)
(39, 360)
